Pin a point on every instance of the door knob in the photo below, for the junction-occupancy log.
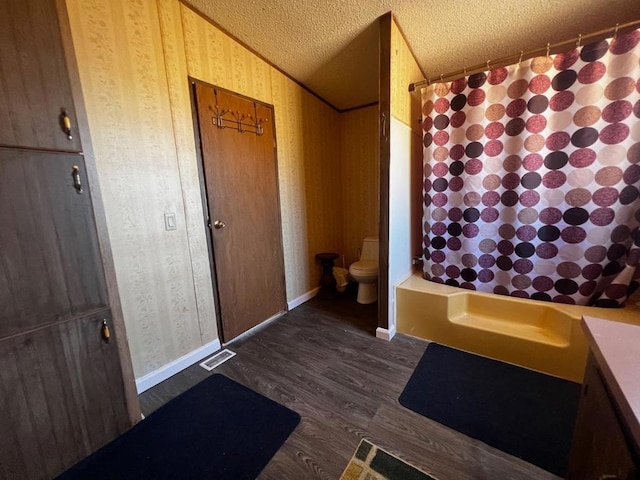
(218, 224)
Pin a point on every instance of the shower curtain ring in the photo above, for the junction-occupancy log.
(488, 66)
(548, 49)
(579, 40)
(520, 59)
(615, 31)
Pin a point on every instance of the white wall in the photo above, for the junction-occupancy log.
(403, 140)
(404, 169)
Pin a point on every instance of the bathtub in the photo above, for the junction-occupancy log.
(541, 336)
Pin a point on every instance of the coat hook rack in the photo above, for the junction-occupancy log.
(224, 118)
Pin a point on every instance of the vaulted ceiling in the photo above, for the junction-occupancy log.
(331, 46)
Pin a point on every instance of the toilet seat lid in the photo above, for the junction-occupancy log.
(364, 266)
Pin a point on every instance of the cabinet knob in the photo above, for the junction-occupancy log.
(75, 174)
(106, 334)
(66, 124)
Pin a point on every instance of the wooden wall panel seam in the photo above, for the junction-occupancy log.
(179, 100)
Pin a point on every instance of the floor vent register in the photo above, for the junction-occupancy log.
(218, 359)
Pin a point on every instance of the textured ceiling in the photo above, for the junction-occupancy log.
(331, 46)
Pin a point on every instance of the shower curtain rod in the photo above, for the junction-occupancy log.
(508, 60)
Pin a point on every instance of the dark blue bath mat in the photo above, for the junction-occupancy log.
(521, 412)
(217, 429)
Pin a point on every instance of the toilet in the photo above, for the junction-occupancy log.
(365, 271)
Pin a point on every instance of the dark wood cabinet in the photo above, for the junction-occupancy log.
(64, 390)
(600, 448)
(34, 83)
(51, 268)
(61, 397)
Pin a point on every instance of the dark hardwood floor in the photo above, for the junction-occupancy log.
(323, 361)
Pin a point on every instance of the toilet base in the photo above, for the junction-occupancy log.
(367, 293)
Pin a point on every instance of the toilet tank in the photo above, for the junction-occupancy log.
(369, 249)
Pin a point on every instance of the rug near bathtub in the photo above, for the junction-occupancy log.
(524, 413)
(370, 462)
(218, 429)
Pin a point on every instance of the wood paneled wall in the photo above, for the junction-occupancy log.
(216, 58)
(179, 98)
(121, 61)
(406, 108)
(307, 136)
(361, 177)
(404, 70)
(134, 58)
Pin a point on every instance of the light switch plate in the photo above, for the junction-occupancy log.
(170, 221)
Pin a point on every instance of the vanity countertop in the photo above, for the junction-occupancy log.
(616, 347)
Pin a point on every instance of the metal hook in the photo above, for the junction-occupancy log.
(615, 31)
(520, 59)
(441, 77)
(488, 66)
(579, 40)
(548, 49)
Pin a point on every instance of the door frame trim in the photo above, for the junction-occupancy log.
(384, 130)
(204, 198)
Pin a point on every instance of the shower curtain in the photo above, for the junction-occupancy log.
(532, 176)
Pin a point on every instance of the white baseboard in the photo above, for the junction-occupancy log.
(386, 334)
(153, 378)
(303, 298)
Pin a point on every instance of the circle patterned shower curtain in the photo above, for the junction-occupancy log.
(532, 176)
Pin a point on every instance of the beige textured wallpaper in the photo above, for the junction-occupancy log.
(134, 59)
(307, 136)
(291, 178)
(406, 108)
(166, 295)
(360, 178)
(404, 70)
(320, 143)
(215, 58)
(179, 98)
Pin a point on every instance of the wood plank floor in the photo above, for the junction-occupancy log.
(323, 361)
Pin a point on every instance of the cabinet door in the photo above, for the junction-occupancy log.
(61, 397)
(34, 84)
(50, 263)
(599, 449)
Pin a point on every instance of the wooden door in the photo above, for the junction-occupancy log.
(61, 386)
(240, 172)
(34, 84)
